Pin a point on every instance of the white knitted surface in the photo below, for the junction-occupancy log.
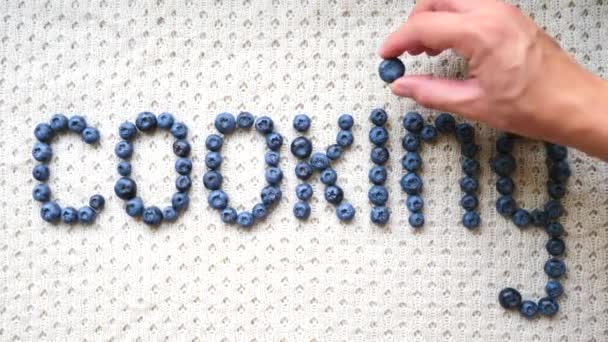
(201, 280)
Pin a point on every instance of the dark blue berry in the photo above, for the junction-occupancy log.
(271, 195)
(411, 184)
(77, 124)
(86, 215)
(244, 219)
(272, 158)
(465, 133)
(521, 218)
(301, 147)
(504, 144)
(414, 203)
(274, 141)
(127, 131)
(179, 130)
(319, 161)
(50, 211)
(44, 132)
(212, 180)
(528, 309)
(183, 183)
(345, 212)
(346, 122)
(505, 186)
(506, 205)
(445, 123)
(301, 210)
(169, 214)
(69, 215)
(469, 149)
(539, 218)
(165, 120)
(471, 220)
(379, 155)
(41, 172)
(503, 164)
(391, 69)
(378, 136)
(509, 298)
(303, 170)
(217, 199)
(244, 120)
(152, 216)
(345, 138)
(428, 133)
(214, 142)
(123, 149)
(146, 121)
(59, 122)
(124, 168)
(42, 152)
(329, 176)
(469, 202)
(378, 117)
(228, 215)
(183, 166)
(181, 148)
(378, 195)
(554, 229)
(377, 175)
(411, 142)
(334, 151)
(301, 122)
(333, 194)
(468, 184)
(560, 171)
(556, 152)
(41, 193)
(470, 167)
(416, 220)
(413, 122)
(380, 215)
(554, 289)
(180, 201)
(225, 123)
(555, 268)
(556, 190)
(273, 175)
(548, 307)
(135, 207)
(125, 188)
(411, 161)
(213, 160)
(259, 211)
(555, 246)
(90, 135)
(97, 202)
(304, 191)
(264, 125)
(554, 209)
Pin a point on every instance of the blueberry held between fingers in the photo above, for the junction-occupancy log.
(50, 212)
(41, 193)
(86, 215)
(391, 69)
(125, 188)
(59, 122)
(509, 298)
(214, 142)
(69, 215)
(548, 306)
(301, 210)
(346, 122)
(528, 309)
(77, 124)
(413, 122)
(165, 120)
(97, 202)
(42, 152)
(445, 123)
(555, 268)
(127, 131)
(244, 120)
(152, 216)
(135, 207)
(41, 172)
(44, 132)
(301, 122)
(146, 121)
(380, 215)
(345, 212)
(301, 147)
(90, 135)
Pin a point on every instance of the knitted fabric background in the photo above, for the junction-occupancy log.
(285, 280)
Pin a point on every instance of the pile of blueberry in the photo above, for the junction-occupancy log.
(411, 183)
(126, 189)
(378, 194)
(547, 217)
(301, 148)
(271, 194)
(42, 152)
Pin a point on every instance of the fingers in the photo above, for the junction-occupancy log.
(444, 6)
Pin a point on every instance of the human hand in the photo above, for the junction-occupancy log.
(519, 79)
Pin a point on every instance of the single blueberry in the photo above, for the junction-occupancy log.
(506, 205)
(411, 142)
(413, 122)
(301, 210)
(469, 149)
(319, 161)
(41, 172)
(244, 219)
(127, 131)
(213, 160)
(259, 211)
(560, 171)
(345, 138)
(556, 152)
(468, 184)
(346, 122)
(329, 176)
(504, 144)
(217, 199)
(445, 123)
(378, 195)
(50, 211)
(503, 164)
(271, 195)
(391, 69)
(345, 212)
(90, 135)
(77, 124)
(380, 215)
(165, 120)
(179, 130)
(465, 133)
(86, 215)
(471, 220)
(214, 142)
(125, 188)
(303, 170)
(428, 133)
(377, 175)
(301, 122)
(274, 141)
(42, 152)
(123, 149)
(301, 147)
(183, 166)
(183, 183)
(379, 155)
(41, 193)
(333, 194)
(539, 217)
(304, 191)
(470, 167)
(469, 202)
(180, 201)
(411, 184)
(554, 209)
(556, 190)
(554, 289)
(505, 186)
(416, 220)
(528, 309)
(135, 207)
(334, 151)
(97, 202)
(212, 180)
(521, 218)
(411, 161)
(264, 125)
(44, 132)
(152, 216)
(554, 229)
(414, 203)
(69, 215)
(555, 246)
(181, 148)
(548, 306)
(124, 168)
(228, 215)
(169, 214)
(273, 175)
(59, 122)
(378, 136)
(244, 120)
(272, 158)
(378, 117)
(146, 121)
(509, 298)
(555, 268)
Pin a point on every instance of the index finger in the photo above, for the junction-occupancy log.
(444, 6)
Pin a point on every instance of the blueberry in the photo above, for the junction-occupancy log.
(428, 133)
(124, 168)
(471, 220)
(270, 195)
(465, 133)
(50, 211)
(69, 215)
(469, 202)
(411, 161)
(259, 211)
(228, 215)
(411, 184)
(555, 246)
(345, 138)
(272, 158)
(273, 175)
(179, 130)
(504, 144)
(521, 218)
(445, 123)
(183, 183)
(378, 136)
(319, 161)
(539, 217)
(169, 214)
(378, 117)
(213, 160)
(97, 202)
(506, 205)
(334, 151)
(90, 135)
(214, 142)
(548, 306)
(414, 203)
(301, 122)
(42, 152)
(470, 167)
(468, 184)
(391, 69)
(379, 155)
(503, 164)
(152, 216)
(560, 171)
(59, 122)
(86, 215)
(554, 209)
(377, 175)
(555, 268)
(301, 210)
(41, 193)
(146, 121)
(411, 142)
(244, 120)
(333, 194)
(123, 149)
(180, 201)
(380, 215)
(505, 186)
(345, 212)
(125, 188)
(416, 220)
(217, 199)
(329, 176)
(554, 229)
(264, 125)
(378, 195)
(304, 191)
(556, 190)
(469, 149)
(554, 289)
(127, 131)
(183, 166)
(509, 298)
(135, 207)
(346, 122)
(44, 132)
(41, 172)
(181, 148)
(165, 120)
(77, 124)
(301, 147)
(528, 309)
(556, 152)
(303, 170)
(413, 122)
(212, 180)
(244, 219)
(274, 141)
